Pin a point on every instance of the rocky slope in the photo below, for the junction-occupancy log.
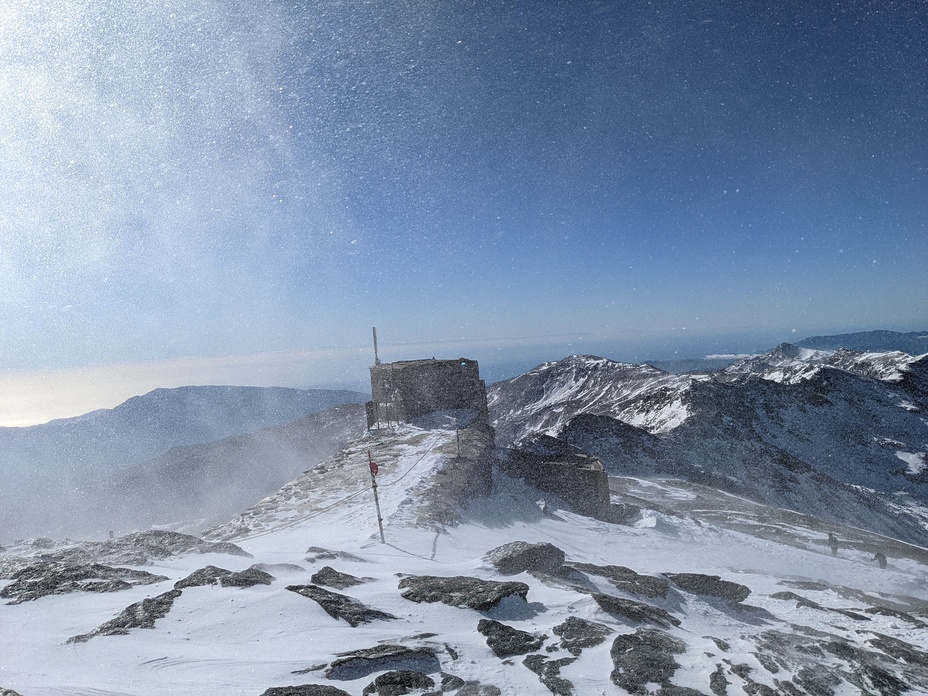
(839, 434)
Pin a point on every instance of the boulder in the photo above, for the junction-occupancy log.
(460, 590)
(398, 683)
(520, 556)
(332, 578)
(709, 586)
(246, 578)
(305, 690)
(644, 657)
(208, 575)
(506, 641)
(361, 663)
(340, 606)
(577, 633)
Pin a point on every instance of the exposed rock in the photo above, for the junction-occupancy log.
(340, 606)
(450, 682)
(139, 615)
(361, 663)
(709, 586)
(548, 671)
(627, 579)
(809, 604)
(305, 690)
(635, 611)
(475, 688)
(140, 548)
(208, 575)
(519, 556)
(506, 641)
(317, 553)
(460, 590)
(279, 567)
(644, 657)
(332, 578)
(577, 633)
(7, 692)
(246, 578)
(398, 682)
(40, 578)
(718, 684)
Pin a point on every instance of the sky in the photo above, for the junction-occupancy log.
(236, 192)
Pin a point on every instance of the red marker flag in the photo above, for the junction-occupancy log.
(373, 465)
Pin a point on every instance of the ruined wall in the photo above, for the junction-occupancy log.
(402, 391)
(580, 479)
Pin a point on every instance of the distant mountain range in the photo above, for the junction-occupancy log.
(54, 474)
(913, 343)
(837, 434)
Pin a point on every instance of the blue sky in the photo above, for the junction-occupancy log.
(182, 186)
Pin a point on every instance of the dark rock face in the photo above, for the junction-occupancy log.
(139, 615)
(519, 556)
(40, 578)
(246, 578)
(340, 606)
(7, 692)
(506, 641)
(636, 611)
(644, 657)
(548, 671)
(208, 575)
(398, 683)
(305, 690)
(460, 590)
(709, 586)
(627, 579)
(361, 663)
(577, 633)
(332, 578)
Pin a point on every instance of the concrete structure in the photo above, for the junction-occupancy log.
(409, 389)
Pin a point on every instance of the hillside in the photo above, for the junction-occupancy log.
(701, 593)
(75, 461)
(838, 434)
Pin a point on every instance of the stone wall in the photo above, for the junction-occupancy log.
(406, 390)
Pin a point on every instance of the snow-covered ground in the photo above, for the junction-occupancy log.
(848, 626)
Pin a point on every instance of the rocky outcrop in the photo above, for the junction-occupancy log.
(330, 577)
(361, 663)
(627, 579)
(548, 671)
(398, 682)
(139, 548)
(40, 578)
(211, 575)
(506, 641)
(520, 556)
(644, 657)
(305, 690)
(460, 591)
(638, 612)
(576, 634)
(139, 615)
(340, 606)
(709, 586)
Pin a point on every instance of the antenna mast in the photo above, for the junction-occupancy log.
(376, 359)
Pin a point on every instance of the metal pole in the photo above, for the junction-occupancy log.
(374, 468)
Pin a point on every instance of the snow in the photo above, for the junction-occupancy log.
(242, 641)
(915, 460)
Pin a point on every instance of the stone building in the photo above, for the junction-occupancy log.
(409, 389)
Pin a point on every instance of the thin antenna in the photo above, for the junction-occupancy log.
(376, 359)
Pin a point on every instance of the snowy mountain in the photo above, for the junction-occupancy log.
(913, 342)
(475, 591)
(838, 434)
(73, 461)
